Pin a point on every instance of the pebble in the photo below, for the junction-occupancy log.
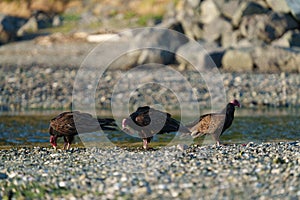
(3, 176)
(261, 170)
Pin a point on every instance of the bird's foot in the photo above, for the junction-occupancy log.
(219, 144)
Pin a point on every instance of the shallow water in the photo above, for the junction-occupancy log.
(274, 126)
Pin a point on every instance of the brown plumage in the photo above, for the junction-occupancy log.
(149, 121)
(64, 125)
(214, 123)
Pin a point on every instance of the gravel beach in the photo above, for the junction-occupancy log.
(250, 171)
(44, 77)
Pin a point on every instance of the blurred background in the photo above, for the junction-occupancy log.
(255, 44)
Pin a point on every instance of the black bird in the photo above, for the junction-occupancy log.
(63, 125)
(149, 121)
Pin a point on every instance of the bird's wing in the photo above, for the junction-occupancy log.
(165, 123)
(85, 122)
(209, 124)
(107, 123)
(70, 123)
(64, 124)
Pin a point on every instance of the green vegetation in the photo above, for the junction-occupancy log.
(143, 20)
(71, 17)
(36, 190)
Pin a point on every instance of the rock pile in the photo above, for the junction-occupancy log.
(250, 35)
(29, 18)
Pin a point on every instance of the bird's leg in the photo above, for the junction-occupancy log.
(216, 137)
(145, 143)
(66, 144)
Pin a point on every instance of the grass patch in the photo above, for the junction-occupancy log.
(71, 17)
(143, 20)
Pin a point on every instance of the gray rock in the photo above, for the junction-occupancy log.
(208, 11)
(289, 39)
(275, 59)
(57, 21)
(216, 29)
(9, 27)
(31, 26)
(245, 9)
(266, 27)
(228, 8)
(194, 3)
(231, 39)
(294, 6)
(44, 19)
(238, 60)
(278, 6)
(3, 176)
(188, 17)
(203, 56)
(157, 46)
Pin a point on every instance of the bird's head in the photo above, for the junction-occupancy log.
(235, 103)
(53, 141)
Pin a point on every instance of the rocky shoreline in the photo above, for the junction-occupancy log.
(49, 88)
(250, 171)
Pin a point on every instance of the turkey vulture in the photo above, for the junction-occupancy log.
(63, 125)
(214, 123)
(149, 121)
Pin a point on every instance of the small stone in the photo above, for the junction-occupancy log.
(62, 184)
(3, 175)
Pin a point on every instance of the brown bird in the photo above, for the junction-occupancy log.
(214, 123)
(63, 125)
(149, 121)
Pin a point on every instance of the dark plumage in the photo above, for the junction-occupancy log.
(214, 123)
(149, 121)
(63, 125)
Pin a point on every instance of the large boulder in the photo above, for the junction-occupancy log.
(215, 30)
(247, 8)
(290, 39)
(31, 26)
(157, 45)
(9, 27)
(276, 59)
(294, 6)
(266, 27)
(209, 11)
(228, 8)
(187, 14)
(238, 60)
(278, 6)
(204, 56)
